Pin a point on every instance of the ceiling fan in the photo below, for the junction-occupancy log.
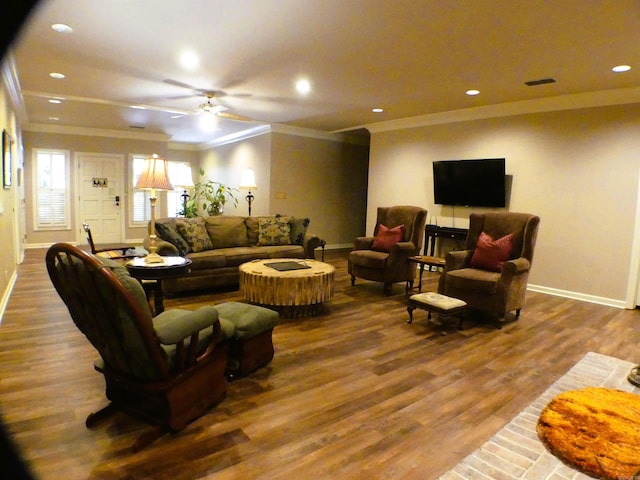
(220, 110)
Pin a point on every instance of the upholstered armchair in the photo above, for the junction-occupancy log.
(492, 273)
(168, 369)
(398, 235)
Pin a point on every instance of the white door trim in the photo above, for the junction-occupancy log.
(633, 286)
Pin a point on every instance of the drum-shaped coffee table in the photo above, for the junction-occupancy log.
(292, 293)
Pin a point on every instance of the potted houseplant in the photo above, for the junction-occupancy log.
(209, 197)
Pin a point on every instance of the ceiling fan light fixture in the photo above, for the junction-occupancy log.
(208, 122)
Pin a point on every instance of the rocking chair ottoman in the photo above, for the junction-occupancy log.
(433, 302)
(251, 346)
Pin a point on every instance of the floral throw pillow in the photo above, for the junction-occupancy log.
(193, 230)
(491, 254)
(169, 233)
(298, 229)
(274, 231)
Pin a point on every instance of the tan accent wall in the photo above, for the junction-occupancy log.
(321, 179)
(578, 170)
(226, 163)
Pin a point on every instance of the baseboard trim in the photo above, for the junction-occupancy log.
(7, 294)
(611, 302)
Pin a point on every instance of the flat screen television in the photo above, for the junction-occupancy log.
(470, 183)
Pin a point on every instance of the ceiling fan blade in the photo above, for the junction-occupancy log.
(233, 116)
(176, 83)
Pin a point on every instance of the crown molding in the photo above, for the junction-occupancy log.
(12, 82)
(237, 137)
(318, 134)
(539, 105)
(94, 132)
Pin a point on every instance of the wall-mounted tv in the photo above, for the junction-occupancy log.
(471, 183)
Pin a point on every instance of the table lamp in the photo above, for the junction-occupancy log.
(248, 182)
(155, 176)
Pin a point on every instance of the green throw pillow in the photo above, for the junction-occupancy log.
(227, 231)
(194, 232)
(169, 233)
(274, 231)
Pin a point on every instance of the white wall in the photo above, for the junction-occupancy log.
(577, 169)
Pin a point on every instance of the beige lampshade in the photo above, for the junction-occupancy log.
(248, 181)
(155, 175)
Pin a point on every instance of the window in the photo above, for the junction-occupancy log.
(175, 200)
(52, 201)
(139, 201)
(140, 205)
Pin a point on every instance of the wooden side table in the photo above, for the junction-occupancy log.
(423, 260)
(169, 268)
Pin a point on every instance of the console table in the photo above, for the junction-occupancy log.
(432, 232)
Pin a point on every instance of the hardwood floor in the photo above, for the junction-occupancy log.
(355, 392)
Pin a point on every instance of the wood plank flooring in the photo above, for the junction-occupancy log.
(355, 392)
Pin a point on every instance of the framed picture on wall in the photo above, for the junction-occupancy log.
(7, 167)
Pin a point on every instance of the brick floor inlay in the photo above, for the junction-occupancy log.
(515, 452)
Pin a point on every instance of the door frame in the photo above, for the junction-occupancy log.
(633, 285)
(81, 237)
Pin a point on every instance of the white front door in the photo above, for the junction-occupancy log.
(101, 202)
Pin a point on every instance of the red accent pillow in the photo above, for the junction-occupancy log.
(387, 238)
(491, 254)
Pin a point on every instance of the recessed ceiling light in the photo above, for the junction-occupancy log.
(621, 68)
(56, 75)
(62, 28)
(189, 60)
(55, 119)
(54, 100)
(303, 86)
(377, 110)
(472, 92)
(137, 107)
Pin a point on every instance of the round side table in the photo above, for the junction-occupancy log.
(169, 268)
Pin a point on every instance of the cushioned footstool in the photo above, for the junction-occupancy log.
(434, 302)
(251, 345)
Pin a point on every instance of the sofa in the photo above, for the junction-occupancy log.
(219, 244)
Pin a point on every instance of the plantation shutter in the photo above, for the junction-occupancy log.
(52, 209)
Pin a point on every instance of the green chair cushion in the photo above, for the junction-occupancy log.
(249, 320)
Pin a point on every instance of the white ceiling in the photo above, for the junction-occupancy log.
(410, 57)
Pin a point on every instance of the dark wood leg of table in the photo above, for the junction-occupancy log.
(158, 297)
(420, 278)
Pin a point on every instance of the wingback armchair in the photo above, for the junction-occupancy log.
(398, 235)
(168, 369)
(493, 285)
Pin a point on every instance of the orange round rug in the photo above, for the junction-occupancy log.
(594, 430)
